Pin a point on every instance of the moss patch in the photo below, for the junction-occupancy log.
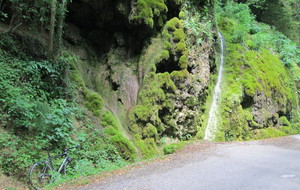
(113, 131)
(175, 46)
(148, 10)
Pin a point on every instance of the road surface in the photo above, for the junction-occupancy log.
(272, 164)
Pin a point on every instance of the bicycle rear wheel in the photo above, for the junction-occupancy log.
(40, 175)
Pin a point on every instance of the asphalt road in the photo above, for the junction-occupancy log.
(272, 164)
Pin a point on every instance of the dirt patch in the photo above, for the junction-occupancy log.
(9, 183)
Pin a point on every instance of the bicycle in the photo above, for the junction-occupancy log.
(42, 173)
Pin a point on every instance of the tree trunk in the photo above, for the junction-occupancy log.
(62, 13)
(52, 28)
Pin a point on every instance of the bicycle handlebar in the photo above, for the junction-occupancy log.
(66, 149)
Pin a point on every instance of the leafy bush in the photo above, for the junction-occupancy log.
(198, 23)
(34, 111)
(169, 149)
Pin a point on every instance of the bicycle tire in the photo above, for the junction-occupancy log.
(40, 175)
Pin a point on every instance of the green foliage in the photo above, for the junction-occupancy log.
(171, 148)
(34, 112)
(236, 19)
(113, 131)
(282, 15)
(33, 13)
(284, 121)
(37, 110)
(268, 132)
(198, 23)
(22, 45)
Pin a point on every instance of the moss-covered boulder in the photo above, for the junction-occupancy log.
(258, 97)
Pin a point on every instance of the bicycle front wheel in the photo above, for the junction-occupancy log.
(40, 175)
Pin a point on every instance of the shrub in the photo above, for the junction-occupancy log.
(169, 149)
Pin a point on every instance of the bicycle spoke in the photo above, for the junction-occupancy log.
(40, 175)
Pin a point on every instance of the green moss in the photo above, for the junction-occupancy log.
(179, 34)
(109, 120)
(74, 76)
(141, 113)
(283, 121)
(181, 48)
(250, 72)
(174, 37)
(147, 10)
(115, 136)
(150, 131)
(124, 146)
(181, 14)
(179, 75)
(165, 54)
(153, 96)
(148, 119)
(173, 24)
(168, 46)
(268, 132)
(183, 62)
(94, 103)
(191, 101)
(147, 147)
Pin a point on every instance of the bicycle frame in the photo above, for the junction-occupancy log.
(40, 173)
(64, 162)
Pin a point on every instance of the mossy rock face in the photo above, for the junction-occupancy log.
(154, 13)
(257, 94)
(175, 49)
(147, 10)
(170, 96)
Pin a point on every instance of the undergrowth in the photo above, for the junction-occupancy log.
(41, 107)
